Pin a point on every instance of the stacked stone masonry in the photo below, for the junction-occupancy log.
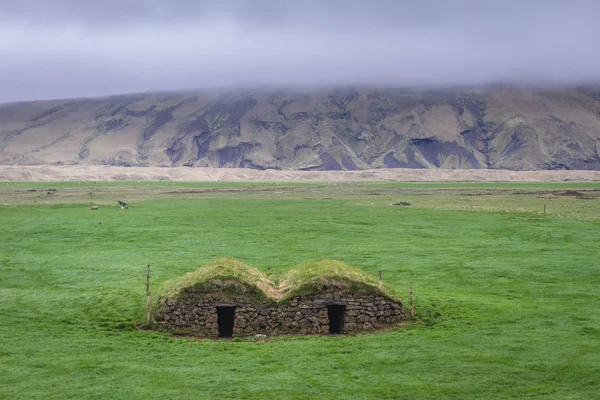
(306, 314)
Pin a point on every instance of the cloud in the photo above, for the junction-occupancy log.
(68, 48)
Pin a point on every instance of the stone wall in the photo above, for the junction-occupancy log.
(305, 314)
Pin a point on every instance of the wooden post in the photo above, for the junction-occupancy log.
(148, 296)
(544, 209)
(380, 278)
(412, 308)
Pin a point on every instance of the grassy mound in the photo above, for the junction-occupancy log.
(234, 278)
(323, 275)
(228, 275)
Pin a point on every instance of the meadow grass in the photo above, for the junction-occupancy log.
(508, 298)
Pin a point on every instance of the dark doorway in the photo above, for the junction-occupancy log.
(336, 313)
(225, 318)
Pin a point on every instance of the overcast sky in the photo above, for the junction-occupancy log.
(74, 48)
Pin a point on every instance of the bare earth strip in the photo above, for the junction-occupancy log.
(13, 173)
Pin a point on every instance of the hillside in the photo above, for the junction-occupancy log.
(328, 129)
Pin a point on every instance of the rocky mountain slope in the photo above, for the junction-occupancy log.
(328, 129)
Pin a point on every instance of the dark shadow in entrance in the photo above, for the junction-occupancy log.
(225, 318)
(336, 314)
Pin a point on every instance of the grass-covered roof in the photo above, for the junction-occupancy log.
(322, 275)
(223, 269)
(310, 278)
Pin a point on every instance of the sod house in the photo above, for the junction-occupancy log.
(228, 298)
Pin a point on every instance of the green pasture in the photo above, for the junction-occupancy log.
(507, 297)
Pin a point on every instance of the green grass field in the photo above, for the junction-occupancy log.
(508, 298)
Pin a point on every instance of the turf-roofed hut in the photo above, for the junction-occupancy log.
(228, 298)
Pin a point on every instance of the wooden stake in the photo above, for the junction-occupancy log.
(412, 308)
(380, 278)
(148, 296)
(544, 209)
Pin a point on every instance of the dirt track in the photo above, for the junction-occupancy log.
(107, 173)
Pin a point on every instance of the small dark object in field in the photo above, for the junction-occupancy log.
(31, 190)
(52, 190)
(123, 204)
(402, 203)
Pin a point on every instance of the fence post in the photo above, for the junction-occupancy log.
(412, 309)
(148, 296)
(380, 277)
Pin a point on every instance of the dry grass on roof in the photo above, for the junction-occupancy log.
(222, 269)
(310, 278)
(316, 276)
